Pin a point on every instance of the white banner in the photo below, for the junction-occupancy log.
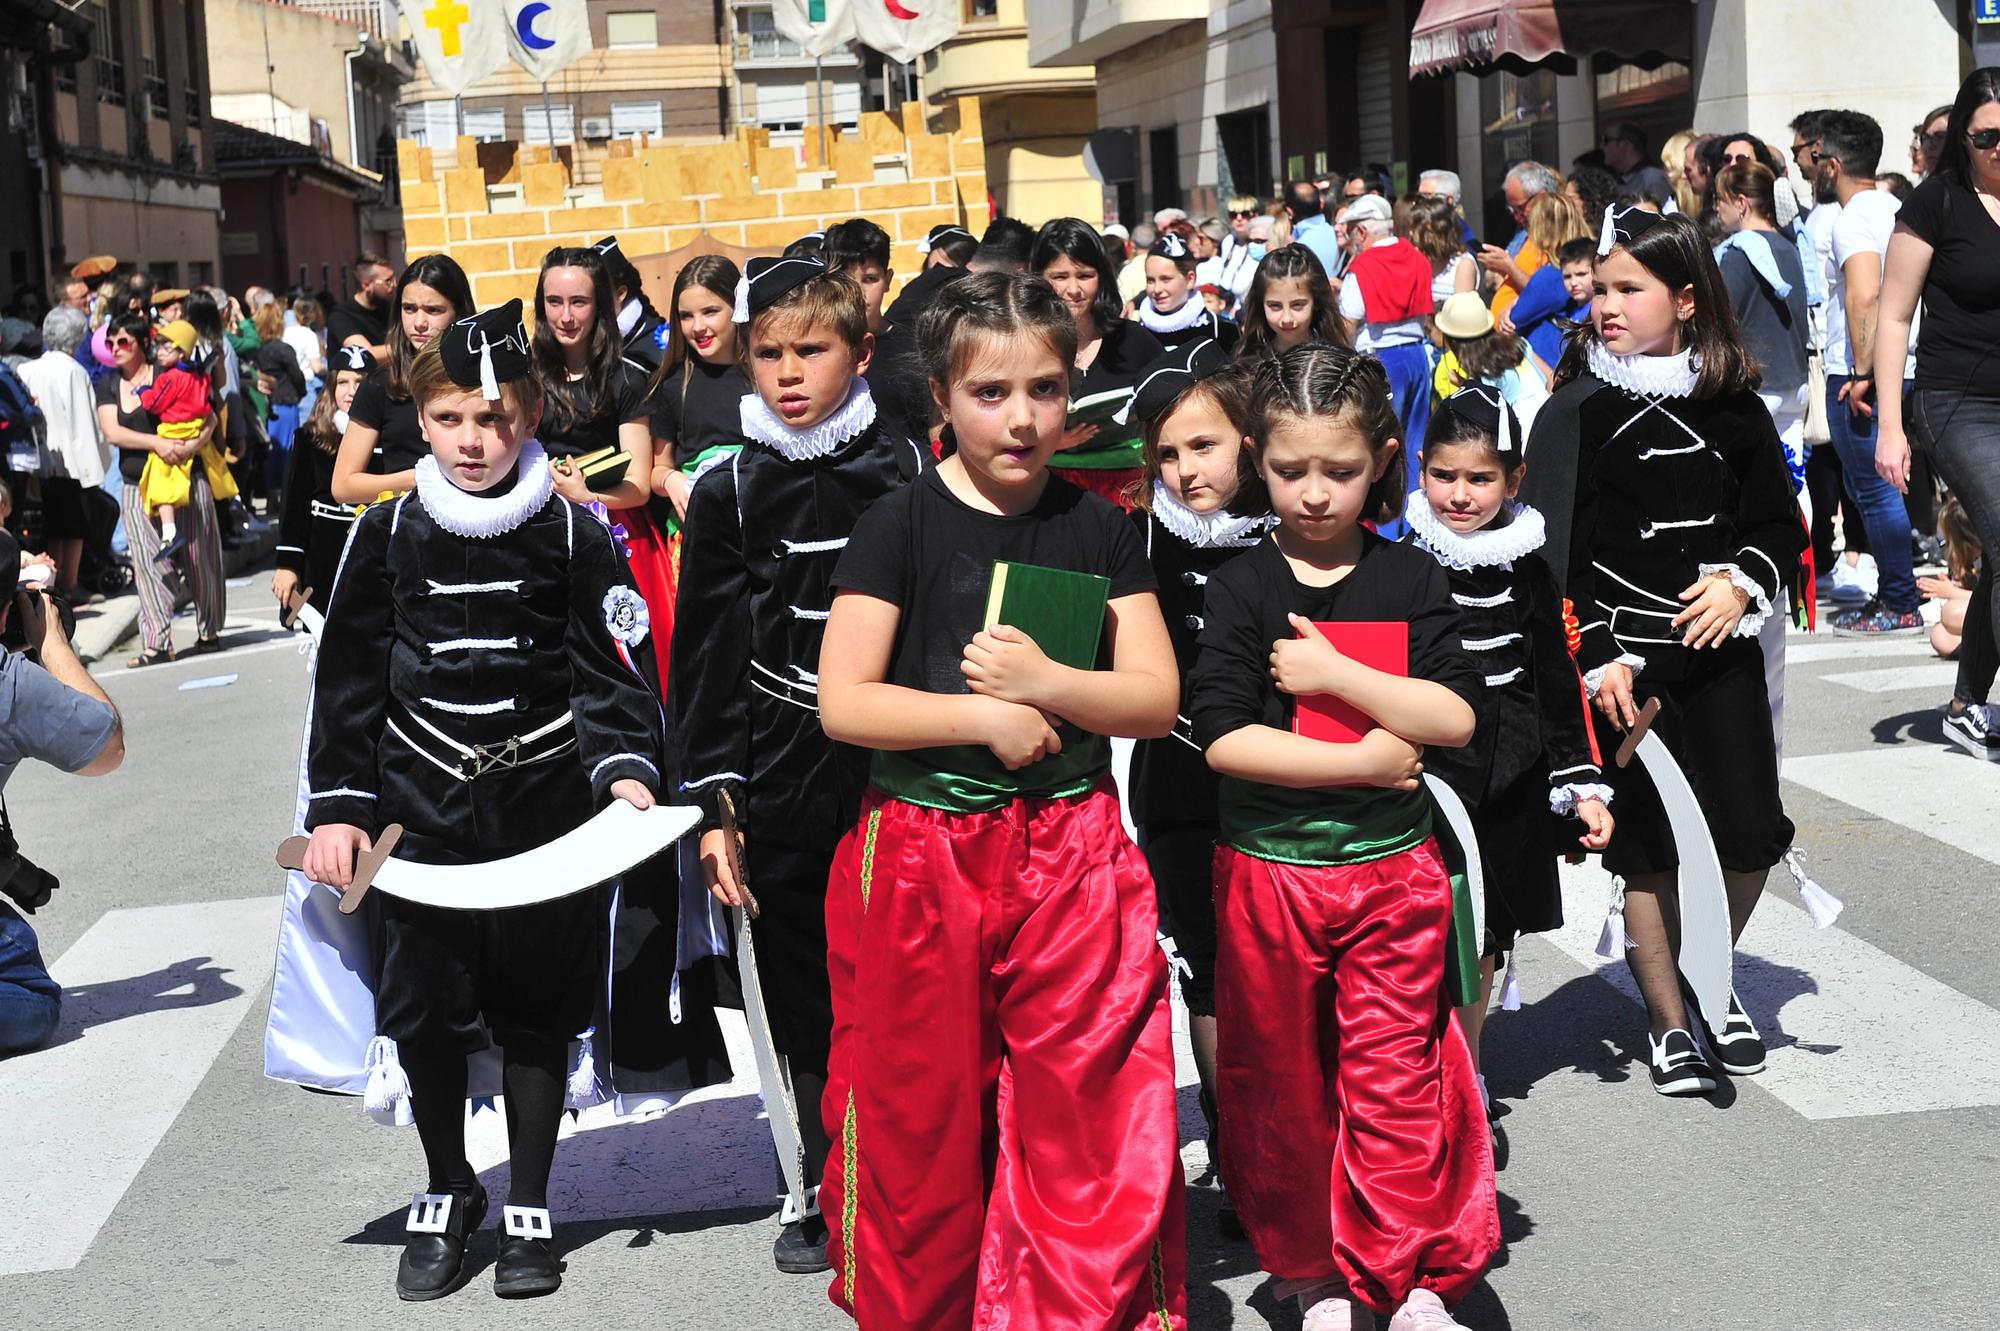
(461, 41)
(905, 29)
(544, 36)
(820, 27)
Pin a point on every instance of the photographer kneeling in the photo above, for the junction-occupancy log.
(54, 712)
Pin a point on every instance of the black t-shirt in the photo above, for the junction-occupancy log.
(926, 551)
(581, 433)
(1961, 325)
(131, 461)
(701, 408)
(350, 317)
(399, 442)
(1127, 351)
(288, 381)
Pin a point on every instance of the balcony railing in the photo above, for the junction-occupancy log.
(376, 17)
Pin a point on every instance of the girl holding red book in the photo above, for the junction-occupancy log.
(1333, 901)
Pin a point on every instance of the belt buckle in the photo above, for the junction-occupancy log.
(483, 759)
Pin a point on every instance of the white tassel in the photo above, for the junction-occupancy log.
(387, 1099)
(1611, 942)
(1821, 905)
(489, 384)
(584, 1088)
(742, 311)
(1607, 239)
(1510, 992)
(1177, 968)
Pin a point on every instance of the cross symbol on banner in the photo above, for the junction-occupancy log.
(446, 16)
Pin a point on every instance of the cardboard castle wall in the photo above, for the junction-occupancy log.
(498, 216)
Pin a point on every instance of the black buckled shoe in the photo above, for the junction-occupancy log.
(1735, 1046)
(1678, 1067)
(433, 1262)
(525, 1266)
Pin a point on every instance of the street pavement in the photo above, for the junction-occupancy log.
(155, 1179)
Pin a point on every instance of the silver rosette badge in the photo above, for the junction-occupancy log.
(625, 614)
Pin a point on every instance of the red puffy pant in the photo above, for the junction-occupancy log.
(1354, 1143)
(1001, 1092)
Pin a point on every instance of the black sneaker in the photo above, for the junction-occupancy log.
(1678, 1067)
(1736, 1048)
(1972, 730)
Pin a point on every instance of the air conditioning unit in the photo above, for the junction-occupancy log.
(597, 127)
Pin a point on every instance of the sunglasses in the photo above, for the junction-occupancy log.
(1819, 157)
(1986, 140)
(1246, 212)
(120, 342)
(1737, 159)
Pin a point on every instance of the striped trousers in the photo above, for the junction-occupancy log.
(201, 562)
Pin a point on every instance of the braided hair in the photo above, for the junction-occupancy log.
(1339, 386)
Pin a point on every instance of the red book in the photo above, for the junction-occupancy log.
(1382, 645)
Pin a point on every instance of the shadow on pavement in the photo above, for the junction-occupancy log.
(88, 1005)
(1925, 726)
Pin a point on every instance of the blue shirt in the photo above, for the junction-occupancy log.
(1316, 234)
(1543, 301)
(42, 717)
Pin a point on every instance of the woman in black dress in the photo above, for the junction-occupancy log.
(313, 526)
(1111, 354)
(383, 443)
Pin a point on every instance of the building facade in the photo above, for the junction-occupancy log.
(657, 68)
(1037, 115)
(1186, 97)
(780, 88)
(113, 149)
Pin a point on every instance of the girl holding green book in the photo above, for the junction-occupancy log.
(1001, 1091)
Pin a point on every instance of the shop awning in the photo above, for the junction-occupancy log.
(1521, 35)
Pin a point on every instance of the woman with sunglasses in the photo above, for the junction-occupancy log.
(131, 429)
(1945, 252)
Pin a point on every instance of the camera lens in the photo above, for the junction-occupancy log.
(28, 884)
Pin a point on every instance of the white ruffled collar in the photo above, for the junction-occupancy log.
(1488, 547)
(1645, 376)
(767, 427)
(1182, 319)
(469, 515)
(1218, 530)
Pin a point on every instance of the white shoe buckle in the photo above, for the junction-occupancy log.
(430, 1212)
(527, 1222)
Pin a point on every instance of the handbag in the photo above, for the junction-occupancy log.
(1818, 431)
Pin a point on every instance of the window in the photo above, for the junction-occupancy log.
(488, 124)
(631, 119)
(431, 124)
(107, 50)
(153, 59)
(1244, 159)
(980, 9)
(632, 28)
(1163, 146)
(536, 124)
(201, 273)
(192, 89)
(165, 273)
(766, 42)
(1517, 114)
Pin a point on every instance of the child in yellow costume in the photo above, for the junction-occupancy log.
(178, 401)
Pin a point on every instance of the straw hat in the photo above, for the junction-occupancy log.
(97, 265)
(1464, 315)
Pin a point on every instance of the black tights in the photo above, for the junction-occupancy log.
(532, 1077)
(809, 1085)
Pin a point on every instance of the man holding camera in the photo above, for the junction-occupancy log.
(52, 711)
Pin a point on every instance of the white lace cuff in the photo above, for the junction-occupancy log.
(1753, 619)
(1564, 799)
(1593, 680)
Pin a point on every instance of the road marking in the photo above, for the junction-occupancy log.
(151, 997)
(1899, 679)
(1851, 1030)
(211, 660)
(1812, 648)
(1896, 782)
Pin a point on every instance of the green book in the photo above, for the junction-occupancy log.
(1061, 610)
(1116, 444)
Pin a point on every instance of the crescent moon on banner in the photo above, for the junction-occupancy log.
(524, 26)
(897, 11)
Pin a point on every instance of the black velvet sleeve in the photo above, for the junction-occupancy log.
(351, 683)
(295, 519)
(1567, 746)
(1231, 683)
(1598, 647)
(618, 723)
(709, 672)
(1768, 525)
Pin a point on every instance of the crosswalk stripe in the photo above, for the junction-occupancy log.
(1898, 679)
(1895, 782)
(1813, 648)
(141, 1023)
(1851, 1030)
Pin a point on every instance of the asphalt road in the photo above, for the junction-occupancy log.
(158, 1179)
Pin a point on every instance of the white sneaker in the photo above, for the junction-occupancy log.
(1424, 1311)
(1336, 1315)
(1850, 586)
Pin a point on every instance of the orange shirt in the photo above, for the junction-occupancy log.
(1530, 258)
